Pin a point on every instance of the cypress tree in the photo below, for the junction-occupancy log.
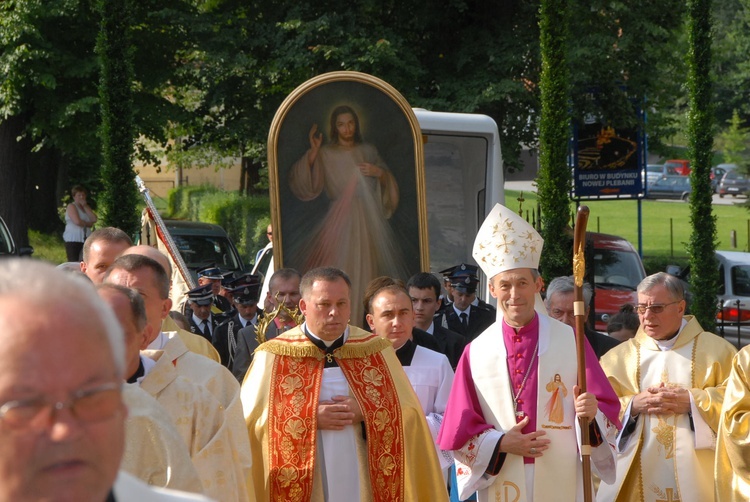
(115, 50)
(702, 244)
(554, 129)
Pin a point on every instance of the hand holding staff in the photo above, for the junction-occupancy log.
(579, 309)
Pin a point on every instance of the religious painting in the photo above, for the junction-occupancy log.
(558, 392)
(346, 179)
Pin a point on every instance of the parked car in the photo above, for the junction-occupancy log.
(734, 183)
(656, 171)
(202, 244)
(717, 173)
(734, 285)
(8, 246)
(679, 166)
(618, 270)
(670, 187)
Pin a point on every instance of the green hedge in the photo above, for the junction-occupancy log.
(244, 218)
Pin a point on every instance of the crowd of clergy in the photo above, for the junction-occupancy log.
(109, 391)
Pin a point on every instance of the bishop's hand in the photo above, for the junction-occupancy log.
(516, 442)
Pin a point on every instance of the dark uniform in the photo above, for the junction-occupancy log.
(226, 335)
(463, 278)
(201, 296)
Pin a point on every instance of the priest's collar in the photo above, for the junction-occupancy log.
(405, 353)
(668, 343)
(325, 344)
(532, 326)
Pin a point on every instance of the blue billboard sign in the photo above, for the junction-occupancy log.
(607, 162)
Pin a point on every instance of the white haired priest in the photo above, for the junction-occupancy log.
(511, 415)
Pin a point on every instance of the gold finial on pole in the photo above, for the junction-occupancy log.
(268, 317)
(520, 200)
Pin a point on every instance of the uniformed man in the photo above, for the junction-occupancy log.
(202, 320)
(245, 298)
(466, 315)
(283, 288)
(213, 275)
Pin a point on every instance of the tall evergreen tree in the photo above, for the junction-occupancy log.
(704, 282)
(554, 129)
(119, 198)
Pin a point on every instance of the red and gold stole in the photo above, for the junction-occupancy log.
(292, 416)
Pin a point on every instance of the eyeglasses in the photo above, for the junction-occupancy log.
(87, 405)
(656, 308)
(269, 233)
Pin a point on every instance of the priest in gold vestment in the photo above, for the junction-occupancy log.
(670, 381)
(215, 435)
(733, 446)
(330, 413)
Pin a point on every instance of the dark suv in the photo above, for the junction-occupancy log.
(202, 244)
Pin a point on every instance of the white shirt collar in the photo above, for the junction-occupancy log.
(459, 312)
(431, 329)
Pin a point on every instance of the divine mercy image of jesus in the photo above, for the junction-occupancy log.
(355, 234)
(346, 180)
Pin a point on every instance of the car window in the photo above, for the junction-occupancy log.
(616, 268)
(199, 250)
(741, 280)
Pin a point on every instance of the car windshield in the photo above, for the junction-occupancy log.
(200, 250)
(616, 269)
(741, 280)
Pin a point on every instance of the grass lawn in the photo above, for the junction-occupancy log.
(665, 224)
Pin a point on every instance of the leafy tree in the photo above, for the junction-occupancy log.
(734, 141)
(702, 242)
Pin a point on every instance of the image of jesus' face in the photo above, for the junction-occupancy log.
(346, 128)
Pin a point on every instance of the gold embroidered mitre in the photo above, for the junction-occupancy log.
(506, 241)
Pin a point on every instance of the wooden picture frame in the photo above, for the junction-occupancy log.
(339, 210)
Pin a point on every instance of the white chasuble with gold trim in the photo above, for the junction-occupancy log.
(663, 459)
(557, 473)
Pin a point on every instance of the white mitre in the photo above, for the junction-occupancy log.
(506, 241)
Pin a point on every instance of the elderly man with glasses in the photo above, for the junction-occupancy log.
(670, 380)
(62, 415)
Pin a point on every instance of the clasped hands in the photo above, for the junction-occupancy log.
(338, 412)
(534, 443)
(661, 400)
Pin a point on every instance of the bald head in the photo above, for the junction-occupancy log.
(154, 254)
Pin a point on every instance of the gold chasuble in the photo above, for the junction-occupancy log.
(195, 343)
(733, 446)
(668, 457)
(280, 397)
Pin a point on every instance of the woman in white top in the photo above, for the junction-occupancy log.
(79, 218)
